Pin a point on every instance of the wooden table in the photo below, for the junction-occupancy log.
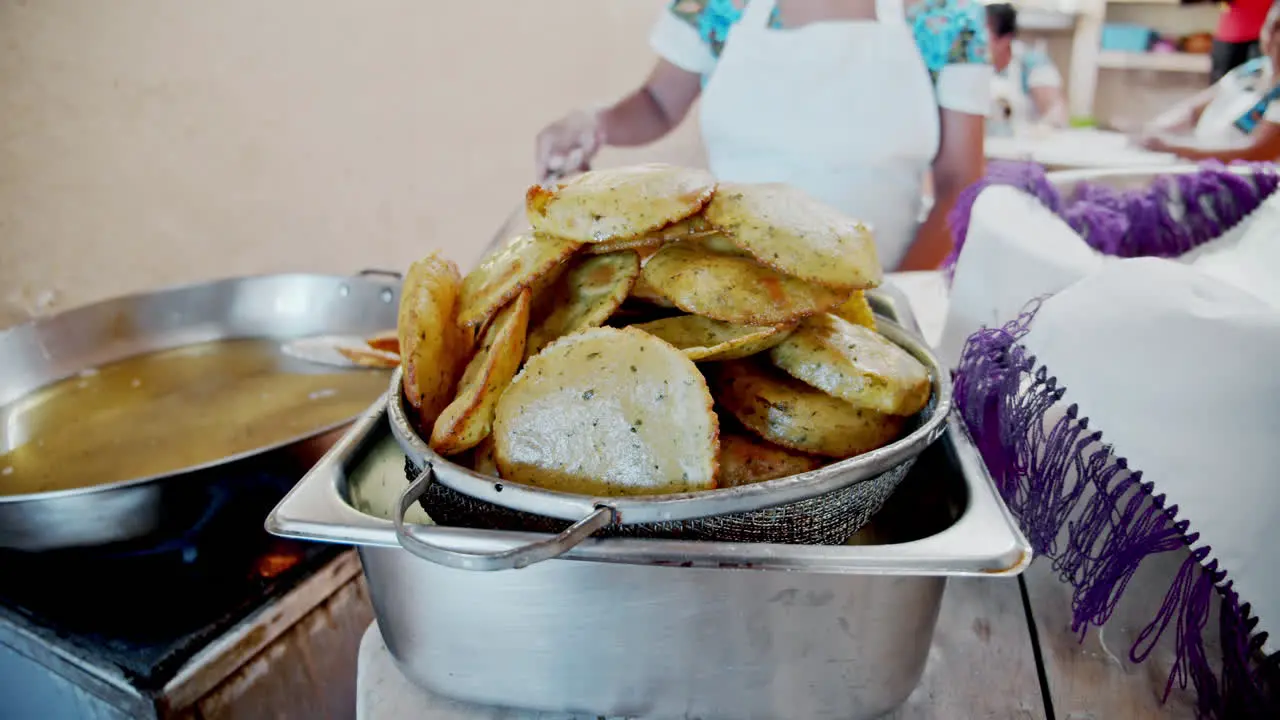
(1003, 647)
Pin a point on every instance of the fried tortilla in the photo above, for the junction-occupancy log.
(468, 419)
(589, 291)
(787, 412)
(855, 364)
(793, 233)
(732, 288)
(746, 459)
(704, 340)
(502, 275)
(608, 411)
(433, 348)
(616, 204)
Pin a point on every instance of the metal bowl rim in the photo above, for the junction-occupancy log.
(688, 506)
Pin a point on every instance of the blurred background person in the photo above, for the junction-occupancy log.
(1027, 88)
(852, 101)
(1236, 39)
(1237, 118)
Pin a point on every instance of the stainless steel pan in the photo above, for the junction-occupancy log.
(667, 628)
(46, 350)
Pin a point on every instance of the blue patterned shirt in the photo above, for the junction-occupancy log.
(950, 34)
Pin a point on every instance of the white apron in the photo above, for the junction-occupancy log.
(1010, 106)
(843, 110)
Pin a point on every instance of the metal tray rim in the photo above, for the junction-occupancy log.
(984, 540)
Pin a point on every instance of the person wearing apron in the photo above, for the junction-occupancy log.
(852, 102)
(1027, 88)
(1237, 118)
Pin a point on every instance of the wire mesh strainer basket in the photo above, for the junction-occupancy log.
(822, 507)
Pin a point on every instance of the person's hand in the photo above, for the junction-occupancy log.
(568, 145)
(1152, 142)
(1145, 137)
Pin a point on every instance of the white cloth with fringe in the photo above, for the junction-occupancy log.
(1174, 361)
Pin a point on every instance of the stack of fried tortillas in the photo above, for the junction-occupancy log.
(657, 332)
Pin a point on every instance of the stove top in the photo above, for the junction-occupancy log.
(148, 606)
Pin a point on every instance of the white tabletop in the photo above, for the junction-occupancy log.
(384, 693)
(1075, 148)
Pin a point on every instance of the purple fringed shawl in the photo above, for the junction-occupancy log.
(1052, 468)
(1176, 214)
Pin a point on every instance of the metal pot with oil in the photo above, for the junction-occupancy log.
(111, 413)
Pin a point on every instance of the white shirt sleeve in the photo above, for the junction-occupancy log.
(1044, 76)
(952, 37)
(678, 43)
(965, 87)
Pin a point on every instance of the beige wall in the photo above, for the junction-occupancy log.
(153, 142)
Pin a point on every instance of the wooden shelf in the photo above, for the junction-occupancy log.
(1162, 62)
(1090, 65)
(1036, 20)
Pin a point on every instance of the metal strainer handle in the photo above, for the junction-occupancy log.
(514, 558)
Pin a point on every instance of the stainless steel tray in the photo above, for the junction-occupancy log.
(670, 628)
(983, 540)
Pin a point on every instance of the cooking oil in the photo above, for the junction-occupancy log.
(170, 411)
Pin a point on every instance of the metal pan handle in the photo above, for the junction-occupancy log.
(375, 272)
(514, 558)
